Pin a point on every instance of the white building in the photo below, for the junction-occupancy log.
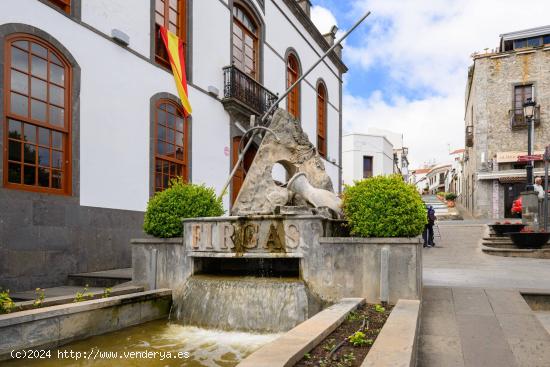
(366, 155)
(437, 178)
(418, 178)
(92, 125)
(454, 182)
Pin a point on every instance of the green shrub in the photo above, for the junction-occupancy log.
(6, 303)
(167, 208)
(384, 206)
(450, 196)
(441, 193)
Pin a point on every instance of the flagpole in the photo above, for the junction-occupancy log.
(283, 96)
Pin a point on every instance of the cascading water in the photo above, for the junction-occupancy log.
(242, 303)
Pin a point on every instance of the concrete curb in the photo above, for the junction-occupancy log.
(50, 327)
(54, 301)
(288, 349)
(396, 344)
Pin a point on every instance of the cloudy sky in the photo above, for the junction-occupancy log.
(408, 62)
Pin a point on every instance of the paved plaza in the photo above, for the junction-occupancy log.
(472, 311)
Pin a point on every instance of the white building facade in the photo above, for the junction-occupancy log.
(92, 126)
(366, 155)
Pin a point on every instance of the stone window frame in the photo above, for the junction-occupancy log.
(50, 58)
(321, 83)
(9, 29)
(292, 52)
(252, 10)
(154, 100)
(75, 11)
(188, 18)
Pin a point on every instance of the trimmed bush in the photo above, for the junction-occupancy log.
(450, 196)
(167, 208)
(384, 206)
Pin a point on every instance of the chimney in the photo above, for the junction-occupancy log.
(330, 37)
(306, 6)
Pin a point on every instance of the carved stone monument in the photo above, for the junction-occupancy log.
(261, 194)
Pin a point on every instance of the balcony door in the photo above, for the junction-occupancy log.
(245, 42)
(240, 174)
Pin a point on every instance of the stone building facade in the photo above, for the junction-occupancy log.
(495, 129)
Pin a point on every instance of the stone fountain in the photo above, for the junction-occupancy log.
(282, 254)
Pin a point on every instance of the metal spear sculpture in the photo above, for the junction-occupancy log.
(281, 98)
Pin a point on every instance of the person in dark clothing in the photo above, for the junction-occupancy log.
(428, 234)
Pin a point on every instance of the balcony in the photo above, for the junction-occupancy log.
(517, 119)
(469, 136)
(244, 95)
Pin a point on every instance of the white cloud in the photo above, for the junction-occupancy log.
(323, 18)
(426, 45)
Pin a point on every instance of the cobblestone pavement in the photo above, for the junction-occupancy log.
(472, 312)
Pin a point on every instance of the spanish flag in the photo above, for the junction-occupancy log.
(175, 51)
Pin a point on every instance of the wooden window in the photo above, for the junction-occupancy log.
(292, 75)
(322, 119)
(367, 167)
(171, 15)
(64, 5)
(245, 42)
(37, 129)
(171, 148)
(521, 94)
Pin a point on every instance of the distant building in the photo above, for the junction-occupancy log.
(400, 152)
(454, 180)
(498, 84)
(437, 177)
(418, 178)
(365, 155)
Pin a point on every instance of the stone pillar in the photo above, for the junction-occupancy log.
(530, 209)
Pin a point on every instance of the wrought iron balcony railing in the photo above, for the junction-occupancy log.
(469, 136)
(249, 95)
(517, 119)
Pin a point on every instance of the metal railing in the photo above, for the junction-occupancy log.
(469, 136)
(242, 87)
(517, 119)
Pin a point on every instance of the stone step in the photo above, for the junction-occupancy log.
(105, 278)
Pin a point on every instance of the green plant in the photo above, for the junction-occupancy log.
(39, 297)
(307, 356)
(82, 296)
(167, 208)
(357, 339)
(450, 196)
(370, 342)
(379, 308)
(384, 206)
(441, 193)
(329, 346)
(353, 316)
(6, 303)
(348, 358)
(106, 292)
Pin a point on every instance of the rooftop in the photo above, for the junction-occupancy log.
(526, 33)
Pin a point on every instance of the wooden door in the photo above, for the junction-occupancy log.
(240, 174)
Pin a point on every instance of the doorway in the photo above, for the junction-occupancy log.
(512, 192)
(240, 174)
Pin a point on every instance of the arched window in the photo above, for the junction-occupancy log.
(37, 116)
(171, 15)
(292, 75)
(245, 42)
(322, 119)
(171, 148)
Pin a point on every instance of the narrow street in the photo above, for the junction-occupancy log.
(472, 311)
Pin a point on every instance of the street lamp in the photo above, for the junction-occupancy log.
(529, 113)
